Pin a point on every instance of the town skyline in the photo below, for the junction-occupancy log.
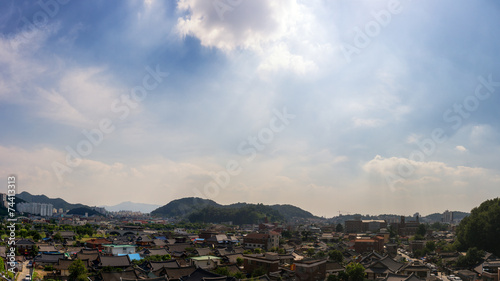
(370, 107)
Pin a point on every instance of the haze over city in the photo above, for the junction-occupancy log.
(363, 107)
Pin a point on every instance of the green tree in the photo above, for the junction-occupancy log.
(422, 230)
(239, 261)
(336, 255)
(77, 271)
(311, 251)
(472, 258)
(481, 228)
(58, 237)
(430, 246)
(355, 271)
(339, 228)
(258, 272)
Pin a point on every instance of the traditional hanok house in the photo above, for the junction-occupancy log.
(130, 274)
(25, 247)
(382, 267)
(47, 249)
(156, 265)
(178, 250)
(202, 274)
(144, 241)
(334, 268)
(154, 252)
(231, 268)
(175, 274)
(218, 239)
(62, 267)
(72, 251)
(399, 277)
(159, 243)
(489, 270)
(122, 262)
(369, 258)
(202, 251)
(206, 262)
(417, 268)
(92, 258)
(97, 243)
(67, 235)
(48, 259)
(231, 258)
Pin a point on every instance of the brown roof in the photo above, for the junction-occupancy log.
(257, 236)
(90, 257)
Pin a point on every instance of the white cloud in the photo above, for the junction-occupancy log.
(284, 34)
(460, 148)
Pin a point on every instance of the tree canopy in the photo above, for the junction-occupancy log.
(77, 271)
(481, 228)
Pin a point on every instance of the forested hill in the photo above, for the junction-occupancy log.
(248, 214)
(186, 207)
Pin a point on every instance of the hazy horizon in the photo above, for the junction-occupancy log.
(367, 106)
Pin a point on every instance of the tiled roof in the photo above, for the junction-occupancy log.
(118, 276)
(177, 273)
(114, 261)
(155, 265)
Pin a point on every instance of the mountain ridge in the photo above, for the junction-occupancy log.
(56, 202)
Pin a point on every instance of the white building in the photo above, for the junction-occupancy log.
(119, 250)
(41, 209)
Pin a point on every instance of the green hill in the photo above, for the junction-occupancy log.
(290, 211)
(56, 203)
(247, 214)
(193, 208)
(183, 207)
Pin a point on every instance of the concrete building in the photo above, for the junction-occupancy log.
(41, 209)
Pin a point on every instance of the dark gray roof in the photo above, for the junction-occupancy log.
(155, 265)
(177, 273)
(118, 276)
(49, 258)
(154, 252)
(114, 261)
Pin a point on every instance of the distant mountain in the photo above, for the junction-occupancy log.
(131, 206)
(57, 202)
(185, 207)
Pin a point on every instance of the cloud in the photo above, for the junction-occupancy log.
(460, 148)
(284, 34)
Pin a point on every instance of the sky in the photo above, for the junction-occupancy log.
(371, 107)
